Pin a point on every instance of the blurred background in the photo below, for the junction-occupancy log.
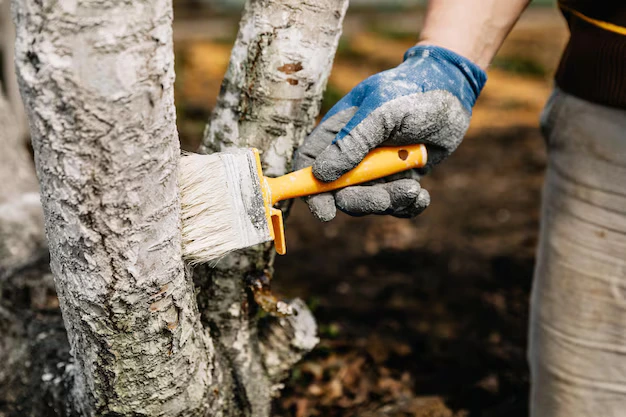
(423, 317)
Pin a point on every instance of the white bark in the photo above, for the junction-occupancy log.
(284, 340)
(97, 81)
(269, 100)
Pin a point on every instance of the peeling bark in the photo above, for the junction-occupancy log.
(97, 81)
(284, 340)
(269, 99)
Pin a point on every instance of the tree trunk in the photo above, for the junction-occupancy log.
(97, 81)
(269, 100)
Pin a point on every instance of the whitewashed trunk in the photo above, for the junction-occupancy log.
(97, 80)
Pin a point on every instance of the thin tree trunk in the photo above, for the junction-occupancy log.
(97, 80)
(269, 99)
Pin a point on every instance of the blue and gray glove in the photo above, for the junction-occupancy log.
(427, 99)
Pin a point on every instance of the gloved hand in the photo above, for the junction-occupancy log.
(427, 99)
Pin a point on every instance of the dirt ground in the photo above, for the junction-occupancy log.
(423, 317)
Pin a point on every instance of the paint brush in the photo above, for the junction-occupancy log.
(228, 204)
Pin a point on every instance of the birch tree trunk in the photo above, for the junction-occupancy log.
(97, 81)
(269, 100)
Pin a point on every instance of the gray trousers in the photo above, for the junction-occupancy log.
(577, 349)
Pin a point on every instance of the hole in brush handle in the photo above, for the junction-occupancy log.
(403, 154)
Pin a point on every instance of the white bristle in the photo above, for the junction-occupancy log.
(220, 199)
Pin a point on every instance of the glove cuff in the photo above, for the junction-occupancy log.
(475, 76)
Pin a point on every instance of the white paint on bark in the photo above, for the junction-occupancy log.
(97, 80)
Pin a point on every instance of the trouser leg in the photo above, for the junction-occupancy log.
(577, 349)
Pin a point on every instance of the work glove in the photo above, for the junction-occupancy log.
(427, 99)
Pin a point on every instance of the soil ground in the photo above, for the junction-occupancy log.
(423, 317)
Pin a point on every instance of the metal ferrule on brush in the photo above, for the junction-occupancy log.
(225, 205)
(257, 221)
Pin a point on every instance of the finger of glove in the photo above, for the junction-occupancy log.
(362, 200)
(322, 206)
(411, 174)
(384, 198)
(435, 118)
(402, 192)
(418, 206)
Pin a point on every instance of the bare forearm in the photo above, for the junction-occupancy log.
(474, 29)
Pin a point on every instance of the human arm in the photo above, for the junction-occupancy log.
(426, 99)
(474, 29)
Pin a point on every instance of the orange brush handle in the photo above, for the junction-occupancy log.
(379, 163)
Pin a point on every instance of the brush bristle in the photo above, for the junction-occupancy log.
(220, 203)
